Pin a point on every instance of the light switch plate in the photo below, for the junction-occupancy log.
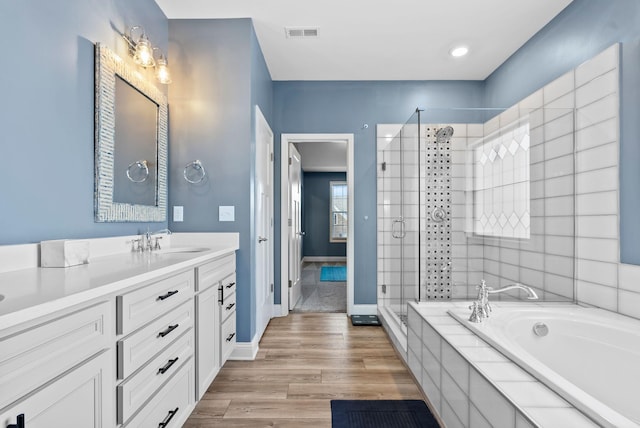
(227, 213)
(178, 213)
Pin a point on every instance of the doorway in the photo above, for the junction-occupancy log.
(289, 232)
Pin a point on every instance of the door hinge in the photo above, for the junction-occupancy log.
(290, 160)
(271, 157)
(289, 221)
(290, 284)
(384, 288)
(271, 287)
(384, 166)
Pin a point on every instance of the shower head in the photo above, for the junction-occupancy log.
(443, 134)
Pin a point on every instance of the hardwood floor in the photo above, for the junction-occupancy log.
(305, 361)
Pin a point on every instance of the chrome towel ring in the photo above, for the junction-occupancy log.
(140, 173)
(194, 172)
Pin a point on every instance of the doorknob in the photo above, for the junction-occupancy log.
(302, 233)
(261, 239)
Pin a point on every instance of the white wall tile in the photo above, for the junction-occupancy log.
(559, 87)
(598, 272)
(601, 226)
(559, 166)
(560, 206)
(432, 391)
(559, 147)
(522, 422)
(476, 420)
(559, 417)
(598, 65)
(560, 186)
(559, 127)
(600, 203)
(599, 111)
(597, 134)
(560, 285)
(629, 277)
(598, 157)
(604, 250)
(597, 295)
(629, 303)
(449, 416)
(597, 88)
(493, 406)
(559, 265)
(598, 180)
(533, 101)
(456, 398)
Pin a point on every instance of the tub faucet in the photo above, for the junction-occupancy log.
(480, 309)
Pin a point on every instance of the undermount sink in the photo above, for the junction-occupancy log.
(181, 250)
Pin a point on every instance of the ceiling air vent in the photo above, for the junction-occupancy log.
(301, 32)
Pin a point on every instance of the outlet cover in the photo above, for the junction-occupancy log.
(227, 213)
(178, 213)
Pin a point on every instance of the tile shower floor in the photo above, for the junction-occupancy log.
(321, 296)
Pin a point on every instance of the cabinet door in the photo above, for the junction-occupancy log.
(81, 398)
(207, 343)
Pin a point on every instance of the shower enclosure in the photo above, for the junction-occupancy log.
(472, 194)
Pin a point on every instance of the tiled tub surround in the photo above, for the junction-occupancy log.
(565, 347)
(471, 384)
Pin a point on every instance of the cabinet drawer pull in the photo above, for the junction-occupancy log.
(170, 416)
(231, 284)
(19, 422)
(169, 294)
(230, 337)
(162, 370)
(229, 306)
(168, 330)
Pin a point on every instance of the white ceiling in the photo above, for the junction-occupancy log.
(323, 156)
(382, 40)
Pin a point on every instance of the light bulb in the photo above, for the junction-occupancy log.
(162, 71)
(144, 53)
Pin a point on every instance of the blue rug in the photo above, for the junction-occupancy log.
(381, 414)
(333, 273)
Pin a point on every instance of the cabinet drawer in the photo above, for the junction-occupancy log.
(80, 398)
(227, 338)
(213, 272)
(133, 392)
(135, 350)
(31, 358)
(228, 307)
(144, 304)
(228, 286)
(171, 405)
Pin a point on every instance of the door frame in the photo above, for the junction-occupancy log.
(285, 139)
(260, 119)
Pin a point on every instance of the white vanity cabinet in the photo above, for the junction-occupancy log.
(58, 371)
(208, 309)
(227, 317)
(156, 344)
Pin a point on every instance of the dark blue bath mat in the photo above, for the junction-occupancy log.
(381, 414)
(333, 273)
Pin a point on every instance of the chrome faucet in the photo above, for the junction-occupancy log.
(480, 309)
(148, 241)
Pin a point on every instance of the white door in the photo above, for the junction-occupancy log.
(295, 229)
(263, 222)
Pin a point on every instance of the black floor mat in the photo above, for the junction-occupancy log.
(381, 414)
(365, 320)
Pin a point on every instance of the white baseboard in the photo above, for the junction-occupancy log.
(364, 310)
(319, 259)
(245, 351)
(277, 311)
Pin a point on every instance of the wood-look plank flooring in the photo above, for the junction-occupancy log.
(305, 361)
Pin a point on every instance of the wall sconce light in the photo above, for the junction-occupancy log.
(143, 54)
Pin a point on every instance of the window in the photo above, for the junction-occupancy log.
(338, 215)
(501, 184)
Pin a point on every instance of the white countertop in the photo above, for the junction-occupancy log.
(34, 292)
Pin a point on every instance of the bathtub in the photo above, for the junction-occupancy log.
(590, 357)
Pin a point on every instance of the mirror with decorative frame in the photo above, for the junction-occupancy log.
(131, 132)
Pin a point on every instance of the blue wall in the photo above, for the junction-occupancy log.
(583, 29)
(47, 112)
(315, 219)
(343, 107)
(219, 75)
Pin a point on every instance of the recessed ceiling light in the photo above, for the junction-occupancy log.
(459, 51)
